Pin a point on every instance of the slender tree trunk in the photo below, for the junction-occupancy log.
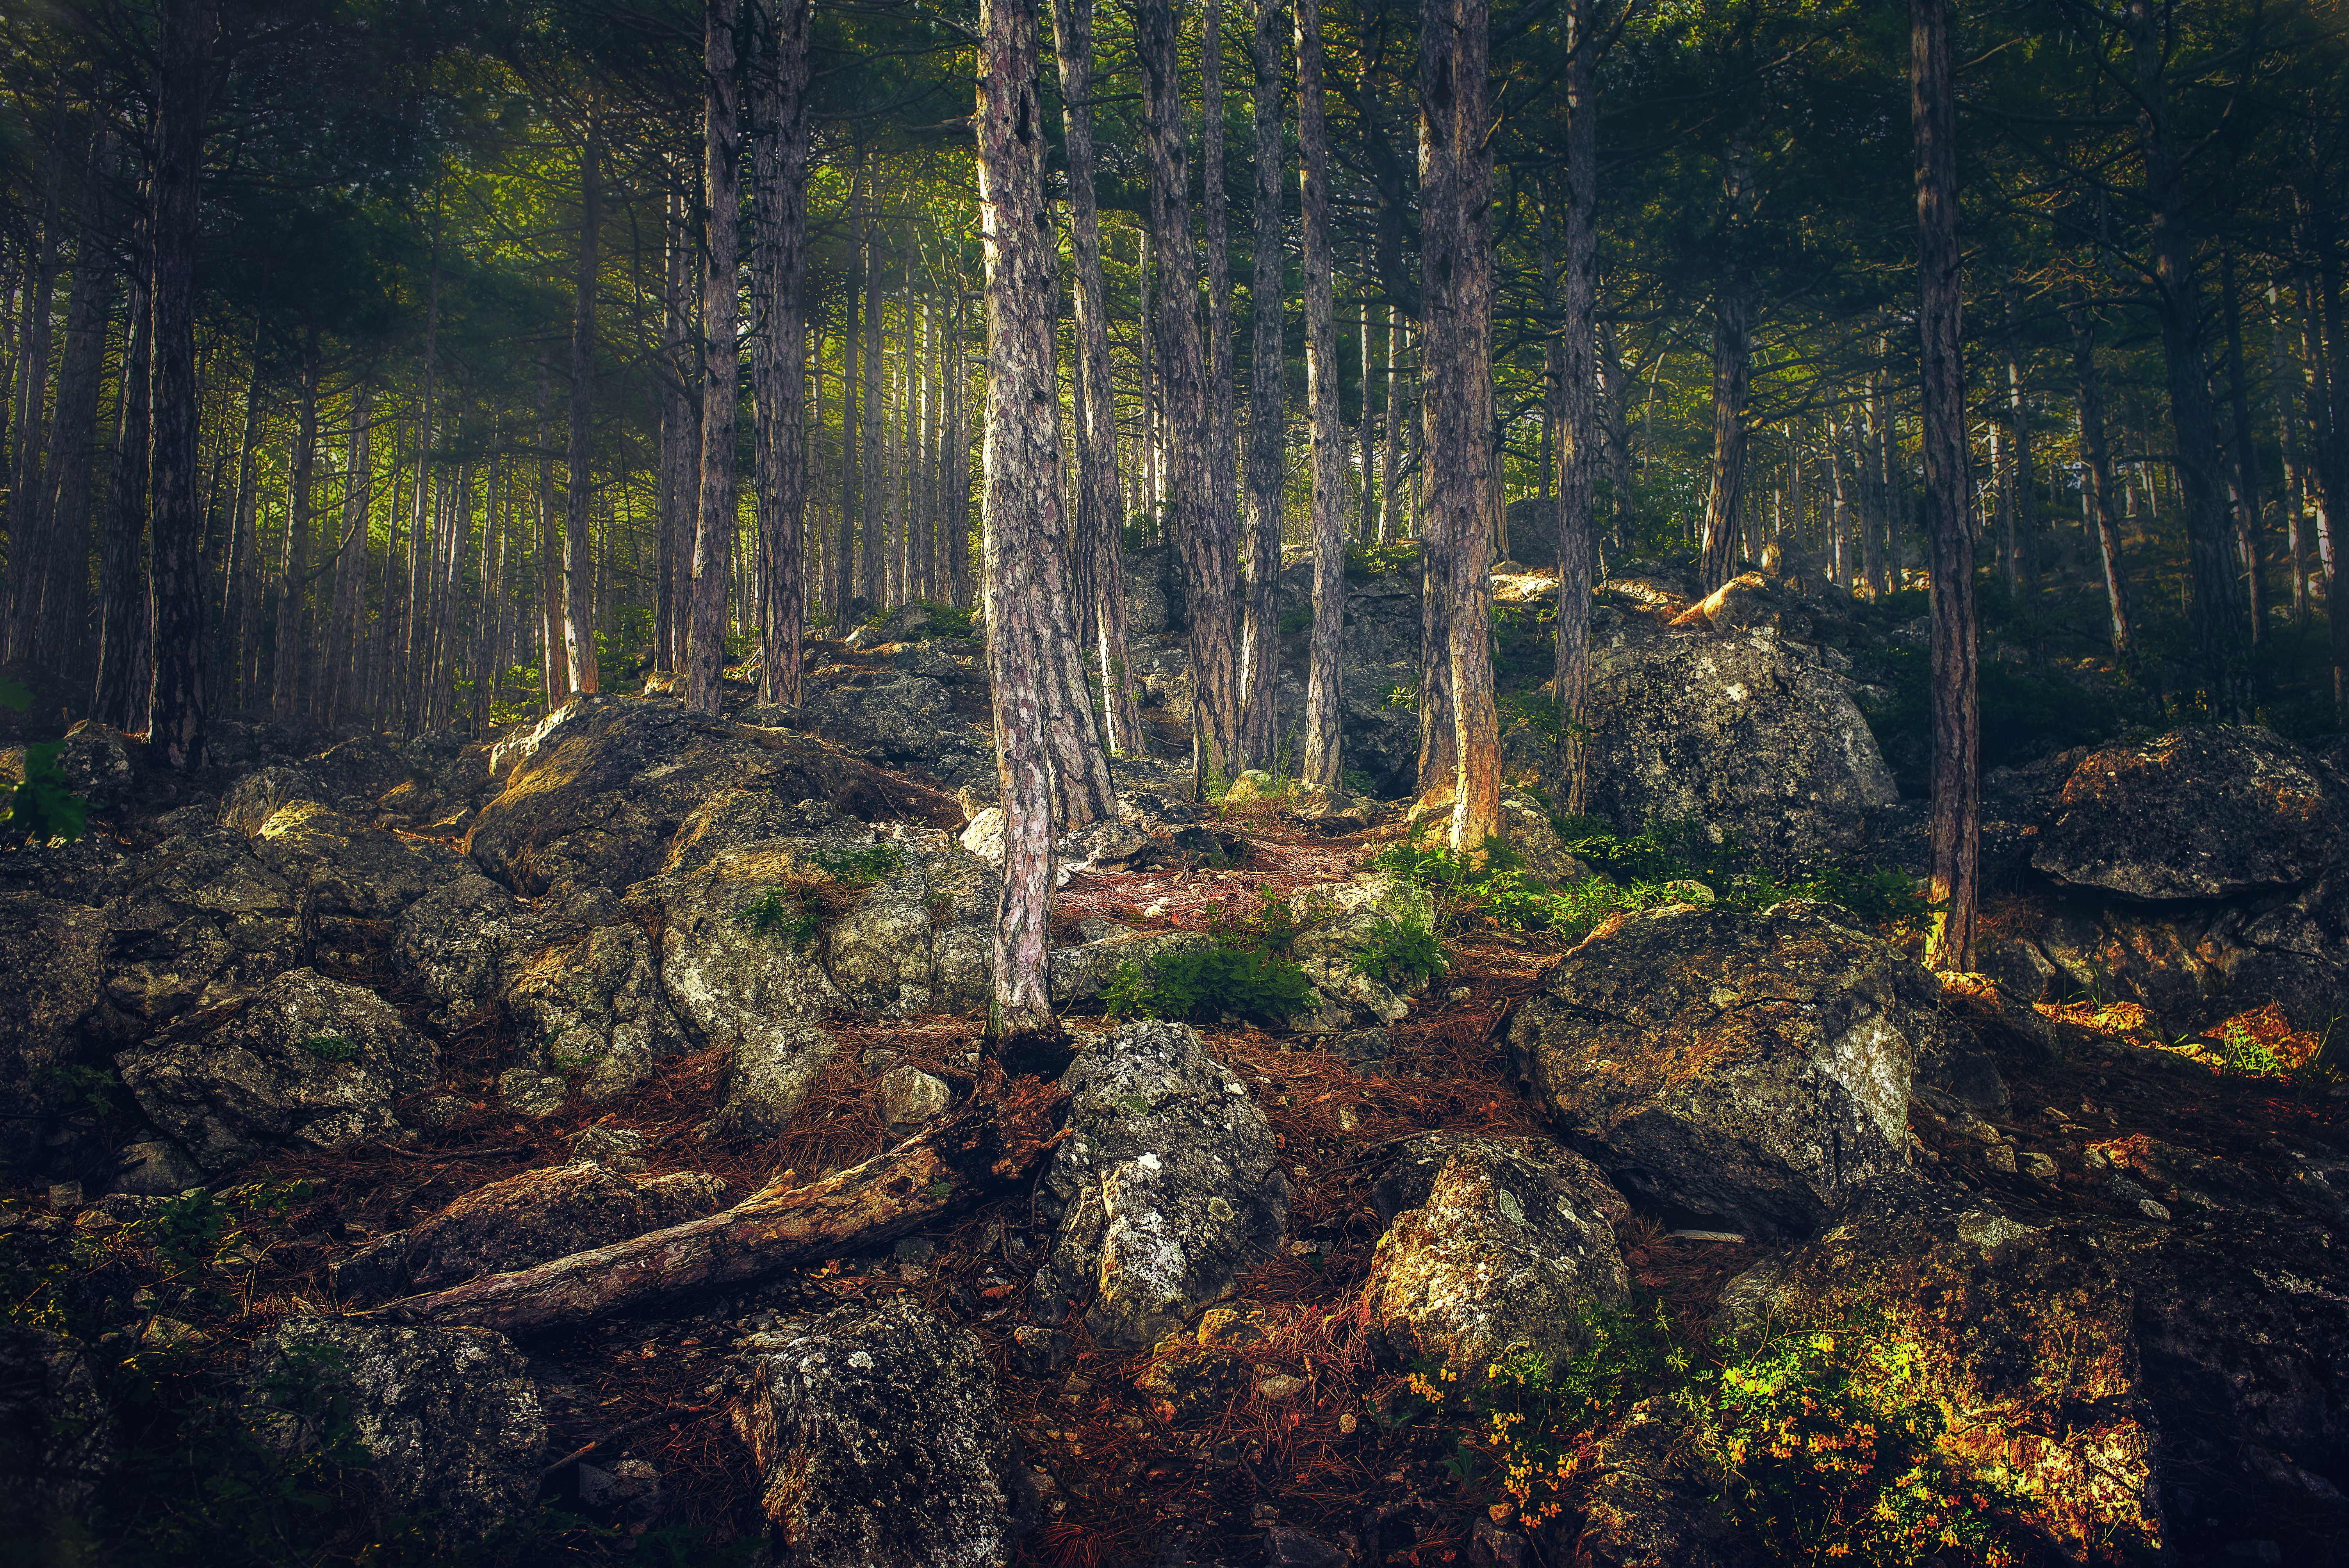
(2288, 444)
(578, 582)
(851, 468)
(1222, 443)
(713, 540)
(33, 430)
(426, 512)
(680, 444)
(872, 493)
(1391, 461)
(1021, 517)
(1876, 486)
(1206, 542)
(1957, 719)
(122, 658)
(2247, 485)
(2023, 505)
(1267, 414)
(1455, 167)
(2222, 634)
(1732, 353)
(350, 564)
(1578, 391)
(780, 167)
(175, 526)
(958, 475)
(1100, 542)
(53, 573)
(554, 663)
(2100, 481)
(1324, 686)
(294, 582)
(241, 610)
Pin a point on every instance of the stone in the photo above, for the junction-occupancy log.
(2038, 1167)
(619, 1149)
(256, 797)
(1738, 1071)
(308, 1061)
(57, 1438)
(156, 1168)
(1653, 1503)
(1527, 829)
(768, 1077)
(595, 1006)
(457, 942)
(1038, 1352)
(203, 923)
(1168, 1189)
(449, 1417)
(97, 766)
(903, 719)
(349, 870)
(2204, 812)
(880, 1438)
(1285, 1546)
(1492, 1247)
(526, 1091)
(625, 1496)
(1083, 972)
(1755, 738)
(2000, 1157)
(1349, 998)
(523, 1220)
(42, 1008)
(1254, 784)
(907, 1097)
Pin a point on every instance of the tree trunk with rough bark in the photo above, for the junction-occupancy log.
(780, 167)
(1578, 393)
(2021, 545)
(1101, 521)
(713, 542)
(1455, 165)
(122, 664)
(2247, 473)
(578, 610)
(1326, 437)
(2103, 517)
(1950, 541)
(55, 561)
(337, 690)
(1021, 518)
(871, 491)
(1267, 413)
(1732, 355)
(1222, 441)
(293, 578)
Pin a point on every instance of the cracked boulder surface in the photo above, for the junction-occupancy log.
(1492, 1247)
(2204, 812)
(1168, 1188)
(878, 1436)
(1746, 1071)
(42, 1006)
(448, 1417)
(57, 1438)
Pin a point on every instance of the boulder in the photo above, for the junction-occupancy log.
(260, 794)
(1753, 737)
(880, 1440)
(155, 1167)
(1746, 1072)
(905, 720)
(1330, 955)
(595, 1006)
(768, 1073)
(448, 1417)
(1492, 1246)
(56, 1439)
(308, 1061)
(204, 922)
(2205, 811)
(349, 870)
(525, 1219)
(1084, 972)
(456, 942)
(907, 1097)
(1653, 1503)
(42, 1005)
(1169, 1187)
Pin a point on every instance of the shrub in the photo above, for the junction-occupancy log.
(1296, 621)
(1207, 986)
(1402, 949)
(42, 808)
(332, 1048)
(1272, 928)
(784, 916)
(858, 867)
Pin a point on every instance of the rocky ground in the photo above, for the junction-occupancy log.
(1728, 1235)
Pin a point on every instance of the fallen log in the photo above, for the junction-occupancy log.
(987, 1149)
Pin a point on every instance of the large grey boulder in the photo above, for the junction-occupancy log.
(1170, 1187)
(203, 922)
(881, 1441)
(1748, 1071)
(44, 998)
(1492, 1247)
(902, 718)
(594, 1005)
(1754, 736)
(309, 1061)
(448, 1417)
(347, 870)
(56, 1439)
(525, 1219)
(2205, 811)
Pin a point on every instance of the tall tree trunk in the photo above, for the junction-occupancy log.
(1876, 481)
(2288, 445)
(1390, 460)
(2100, 481)
(713, 543)
(1455, 172)
(1732, 353)
(33, 430)
(1021, 518)
(175, 523)
(957, 452)
(2222, 634)
(1206, 542)
(1957, 719)
(780, 167)
(350, 565)
(680, 445)
(240, 597)
(123, 674)
(1267, 414)
(554, 664)
(872, 492)
(1100, 519)
(851, 468)
(294, 582)
(2022, 506)
(1221, 440)
(578, 582)
(1326, 437)
(425, 512)
(1578, 393)
(48, 617)
(2247, 484)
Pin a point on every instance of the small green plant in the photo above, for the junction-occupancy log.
(84, 1090)
(332, 1047)
(1379, 560)
(780, 916)
(1402, 950)
(948, 620)
(2245, 1056)
(1296, 621)
(1402, 698)
(1354, 781)
(1272, 928)
(42, 808)
(1207, 986)
(858, 867)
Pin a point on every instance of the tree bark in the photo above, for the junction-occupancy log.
(1267, 414)
(2247, 481)
(1100, 521)
(1578, 425)
(1326, 437)
(54, 572)
(1218, 413)
(872, 505)
(713, 542)
(578, 608)
(1021, 517)
(294, 580)
(780, 167)
(1732, 353)
(123, 674)
(1390, 460)
(175, 522)
(1957, 720)
(1208, 543)
(554, 664)
(2021, 544)
(350, 564)
(987, 1149)
(2100, 481)
(1455, 165)
(2288, 446)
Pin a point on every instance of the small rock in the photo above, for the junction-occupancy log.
(172, 1333)
(908, 1096)
(878, 1059)
(2152, 1210)
(1280, 1386)
(1040, 1352)
(2038, 1166)
(1285, 1546)
(155, 1168)
(440, 1111)
(627, 1496)
(526, 1091)
(1252, 785)
(616, 1149)
(2000, 1157)
(64, 1196)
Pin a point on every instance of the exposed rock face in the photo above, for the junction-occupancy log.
(57, 1441)
(904, 718)
(525, 1219)
(1751, 1070)
(1085, 971)
(308, 1061)
(204, 924)
(457, 940)
(2205, 811)
(1754, 736)
(597, 1004)
(1491, 1247)
(769, 1074)
(1168, 1190)
(881, 1440)
(1328, 954)
(42, 1006)
(449, 1415)
(347, 869)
